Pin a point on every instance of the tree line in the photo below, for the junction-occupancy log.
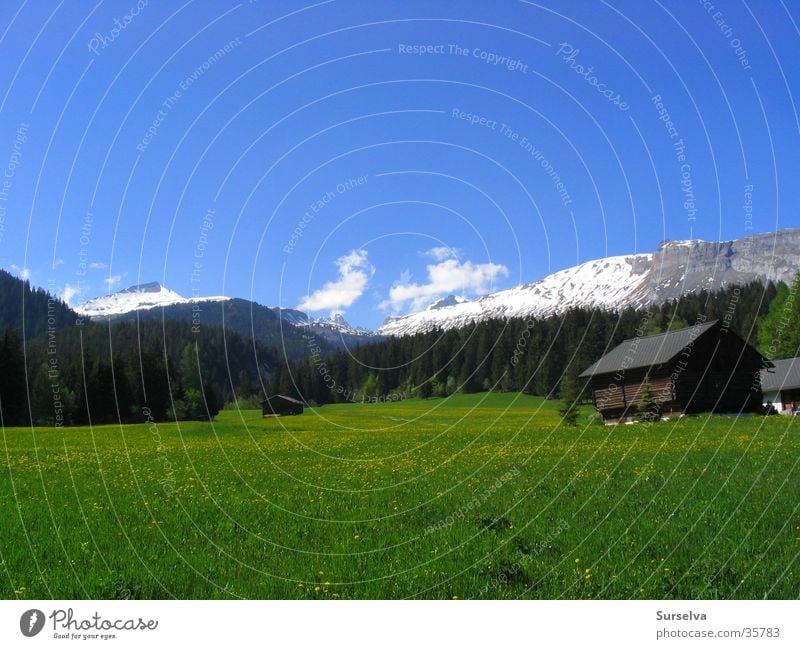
(126, 372)
(531, 356)
(65, 373)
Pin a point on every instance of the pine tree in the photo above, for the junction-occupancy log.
(370, 388)
(13, 393)
(153, 384)
(569, 401)
(425, 389)
(648, 409)
(42, 399)
(779, 332)
(189, 368)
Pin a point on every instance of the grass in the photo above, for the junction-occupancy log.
(476, 496)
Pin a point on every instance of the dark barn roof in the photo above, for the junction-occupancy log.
(784, 376)
(649, 350)
(284, 398)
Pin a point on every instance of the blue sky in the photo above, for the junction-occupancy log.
(369, 157)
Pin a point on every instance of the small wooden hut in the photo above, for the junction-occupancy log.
(279, 405)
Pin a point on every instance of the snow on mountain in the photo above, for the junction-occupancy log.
(153, 295)
(612, 283)
(135, 298)
(450, 300)
(292, 316)
(603, 283)
(337, 324)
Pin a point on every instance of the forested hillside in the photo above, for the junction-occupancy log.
(525, 355)
(246, 318)
(72, 373)
(127, 372)
(779, 332)
(137, 371)
(23, 308)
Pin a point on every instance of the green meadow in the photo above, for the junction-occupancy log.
(475, 496)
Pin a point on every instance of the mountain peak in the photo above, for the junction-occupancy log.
(336, 324)
(149, 287)
(676, 268)
(679, 243)
(450, 300)
(134, 298)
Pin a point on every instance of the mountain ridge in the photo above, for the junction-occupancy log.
(675, 268)
(282, 328)
(639, 280)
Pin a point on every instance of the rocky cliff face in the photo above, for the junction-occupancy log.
(679, 267)
(674, 269)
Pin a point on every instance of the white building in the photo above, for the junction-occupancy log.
(781, 385)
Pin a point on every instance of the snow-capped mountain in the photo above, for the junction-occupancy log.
(674, 269)
(336, 324)
(292, 316)
(604, 283)
(612, 283)
(137, 298)
(450, 300)
(142, 299)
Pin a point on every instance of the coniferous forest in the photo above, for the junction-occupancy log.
(528, 356)
(56, 369)
(71, 371)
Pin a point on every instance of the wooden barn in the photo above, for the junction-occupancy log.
(280, 405)
(702, 368)
(781, 385)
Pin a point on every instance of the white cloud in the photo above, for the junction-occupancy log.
(450, 276)
(355, 271)
(58, 262)
(22, 271)
(112, 281)
(98, 264)
(440, 253)
(69, 293)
